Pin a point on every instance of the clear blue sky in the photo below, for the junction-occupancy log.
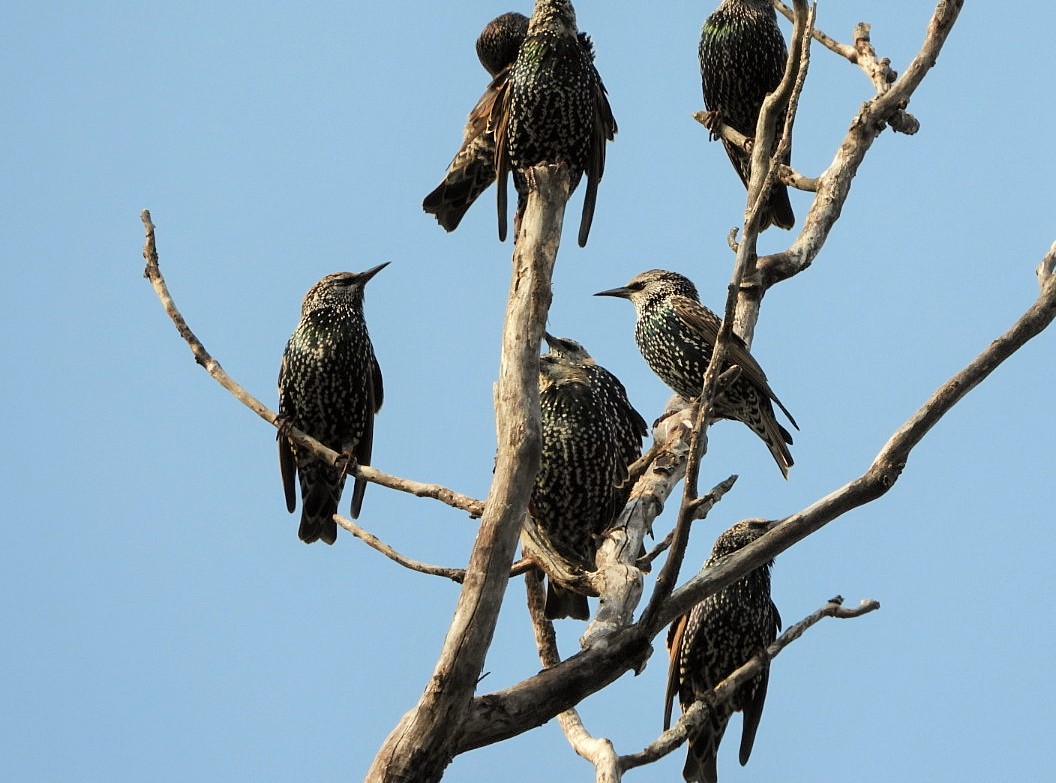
(160, 619)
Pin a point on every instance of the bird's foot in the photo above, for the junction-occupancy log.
(712, 120)
(664, 416)
(345, 463)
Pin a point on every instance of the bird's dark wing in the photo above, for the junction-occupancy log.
(753, 709)
(473, 168)
(377, 389)
(674, 650)
(498, 122)
(375, 395)
(288, 470)
(480, 115)
(604, 130)
(287, 459)
(704, 322)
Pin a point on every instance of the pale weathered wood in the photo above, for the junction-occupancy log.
(426, 739)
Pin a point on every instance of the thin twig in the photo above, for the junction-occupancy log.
(454, 574)
(598, 752)
(371, 540)
(153, 273)
(691, 510)
(844, 50)
(720, 129)
(725, 690)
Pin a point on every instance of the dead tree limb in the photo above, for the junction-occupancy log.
(423, 743)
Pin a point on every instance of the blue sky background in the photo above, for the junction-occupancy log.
(160, 620)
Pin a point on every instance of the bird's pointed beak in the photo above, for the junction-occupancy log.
(364, 277)
(550, 339)
(623, 292)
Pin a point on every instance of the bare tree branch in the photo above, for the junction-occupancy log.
(621, 586)
(424, 741)
(454, 574)
(720, 130)
(829, 43)
(671, 739)
(834, 184)
(693, 509)
(598, 752)
(371, 540)
(742, 305)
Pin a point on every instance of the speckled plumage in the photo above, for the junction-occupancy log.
(589, 438)
(742, 58)
(676, 335)
(330, 388)
(473, 167)
(714, 638)
(552, 109)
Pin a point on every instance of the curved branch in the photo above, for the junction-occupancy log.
(371, 540)
(424, 742)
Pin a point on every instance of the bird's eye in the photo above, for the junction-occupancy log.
(637, 285)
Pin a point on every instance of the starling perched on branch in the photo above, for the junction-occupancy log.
(581, 486)
(742, 59)
(716, 637)
(552, 109)
(473, 167)
(676, 334)
(330, 388)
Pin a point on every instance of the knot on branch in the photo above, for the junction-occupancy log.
(885, 472)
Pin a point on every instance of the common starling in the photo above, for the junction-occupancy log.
(581, 486)
(473, 167)
(716, 637)
(330, 388)
(552, 109)
(676, 335)
(742, 59)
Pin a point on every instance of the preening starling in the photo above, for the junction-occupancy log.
(716, 637)
(330, 388)
(742, 59)
(676, 335)
(552, 109)
(473, 167)
(581, 487)
(499, 41)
